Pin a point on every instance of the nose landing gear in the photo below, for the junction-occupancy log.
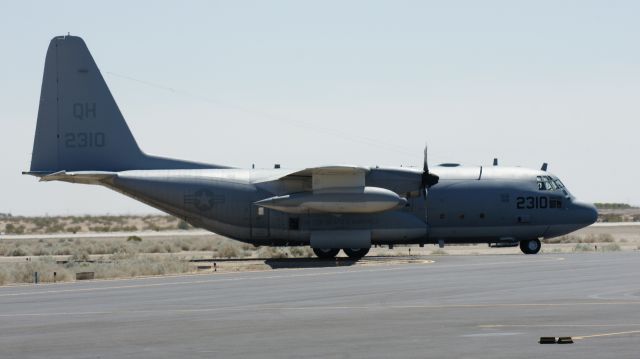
(531, 246)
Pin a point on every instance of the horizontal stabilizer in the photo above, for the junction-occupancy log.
(86, 177)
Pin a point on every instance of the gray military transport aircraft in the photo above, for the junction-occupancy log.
(81, 137)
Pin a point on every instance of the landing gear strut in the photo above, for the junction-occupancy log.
(326, 253)
(355, 253)
(531, 246)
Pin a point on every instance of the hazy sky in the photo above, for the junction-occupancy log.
(306, 83)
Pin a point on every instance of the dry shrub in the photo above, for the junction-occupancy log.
(170, 247)
(138, 266)
(80, 255)
(68, 246)
(271, 252)
(439, 252)
(156, 248)
(302, 251)
(589, 238)
(23, 272)
(582, 247)
(205, 246)
(18, 252)
(565, 239)
(228, 250)
(4, 276)
(66, 251)
(611, 247)
(41, 251)
(598, 238)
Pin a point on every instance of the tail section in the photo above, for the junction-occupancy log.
(80, 127)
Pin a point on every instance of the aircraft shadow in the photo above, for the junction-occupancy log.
(282, 263)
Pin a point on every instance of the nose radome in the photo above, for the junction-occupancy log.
(588, 212)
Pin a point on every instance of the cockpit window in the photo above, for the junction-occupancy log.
(549, 183)
(540, 184)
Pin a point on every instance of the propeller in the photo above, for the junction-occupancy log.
(428, 179)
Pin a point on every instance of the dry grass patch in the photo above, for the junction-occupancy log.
(439, 252)
(23, 272)
(588, 238)
(78, 224)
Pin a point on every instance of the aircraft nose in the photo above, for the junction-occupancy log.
(588, 213)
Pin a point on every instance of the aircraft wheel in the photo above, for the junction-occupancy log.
(326, 253)
(355, 253)
(531, 246)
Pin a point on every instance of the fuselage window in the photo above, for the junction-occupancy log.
(555, 203)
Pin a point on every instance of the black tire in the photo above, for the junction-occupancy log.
(531, 246)
(326, 253)
(355, 253)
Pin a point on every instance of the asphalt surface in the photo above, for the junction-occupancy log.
(455, 307)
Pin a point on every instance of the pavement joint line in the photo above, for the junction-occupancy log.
(556, 325)
(605, 335)
(442, 306)
(270, 307)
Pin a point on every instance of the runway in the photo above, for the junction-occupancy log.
(455, 307)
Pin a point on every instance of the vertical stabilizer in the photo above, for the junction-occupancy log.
(79, 124)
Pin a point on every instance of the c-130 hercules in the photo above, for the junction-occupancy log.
(81, 137)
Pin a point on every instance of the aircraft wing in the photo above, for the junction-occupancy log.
(332, 189)
(327, 177)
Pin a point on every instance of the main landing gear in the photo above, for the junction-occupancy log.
(531, 246)
(355, 253)
(326, 253)
(330, 253)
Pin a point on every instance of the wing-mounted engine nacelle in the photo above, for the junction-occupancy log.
(336, 200)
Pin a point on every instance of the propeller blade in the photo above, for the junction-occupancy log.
(428, 179)
(425, 166)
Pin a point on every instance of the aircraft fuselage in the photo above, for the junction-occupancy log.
(499, 205)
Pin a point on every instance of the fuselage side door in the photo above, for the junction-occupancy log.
(259, 222)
